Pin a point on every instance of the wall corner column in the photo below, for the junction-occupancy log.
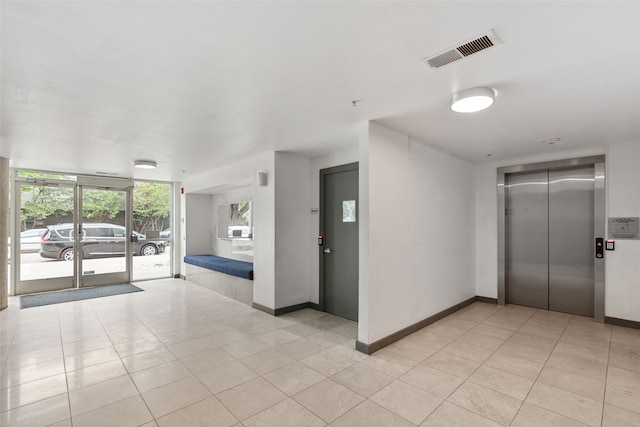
(4, 232)
(363, 236)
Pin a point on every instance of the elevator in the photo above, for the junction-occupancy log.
(552, 214)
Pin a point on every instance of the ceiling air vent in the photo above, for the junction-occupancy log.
(483, 42)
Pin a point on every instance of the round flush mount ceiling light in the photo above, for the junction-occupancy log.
(473, 99)
(145, 164)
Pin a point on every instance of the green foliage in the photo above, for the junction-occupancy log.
(44, 202)
(41, 202)
(101, 205)
(239, 213)
(45, 175)
(151, 205)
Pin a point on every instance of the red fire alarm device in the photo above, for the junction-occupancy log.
(320, 240)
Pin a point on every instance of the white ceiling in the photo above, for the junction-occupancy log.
(91, 86)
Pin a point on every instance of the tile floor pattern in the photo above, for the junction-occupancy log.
(180, 355)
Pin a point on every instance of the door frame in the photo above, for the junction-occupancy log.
(76, 280)
(17, 286)
(106, 184)
(323, 172)
(599, 222)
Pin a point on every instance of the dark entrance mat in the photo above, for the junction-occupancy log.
(28, 301)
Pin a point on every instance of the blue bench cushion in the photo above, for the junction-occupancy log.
(224, 265)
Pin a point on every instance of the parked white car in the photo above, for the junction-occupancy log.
(30, 240)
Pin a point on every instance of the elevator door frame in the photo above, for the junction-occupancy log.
(599, 222)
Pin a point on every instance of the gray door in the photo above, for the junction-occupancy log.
(550, 239)
(339, 253)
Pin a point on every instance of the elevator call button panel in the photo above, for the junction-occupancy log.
(599, 247)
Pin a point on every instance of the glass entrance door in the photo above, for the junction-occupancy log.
(35, 248)
(103, 236)
(70, 232)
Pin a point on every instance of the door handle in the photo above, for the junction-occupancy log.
(327, 250)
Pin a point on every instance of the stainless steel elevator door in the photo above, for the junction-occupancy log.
(571, 240)
(550, 239)
(528, 239)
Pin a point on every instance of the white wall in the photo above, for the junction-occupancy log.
(285, 252)
(486, 276)
(338, 158)
(292, 217)
(176, 229)
(4, 233)
(363, 233)
(421, 231)
(264, 284)
(622, 274)
(240, 249)
(242, 174)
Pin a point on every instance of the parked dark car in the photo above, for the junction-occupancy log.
(98, 241)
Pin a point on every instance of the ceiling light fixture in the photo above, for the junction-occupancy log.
(473, 100)
(145, 164)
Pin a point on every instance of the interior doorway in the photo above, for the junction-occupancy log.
(339, 260)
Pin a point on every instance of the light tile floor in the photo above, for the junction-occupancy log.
(180, 355)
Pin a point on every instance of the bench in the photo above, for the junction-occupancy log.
(229, 277)
(224, 265)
